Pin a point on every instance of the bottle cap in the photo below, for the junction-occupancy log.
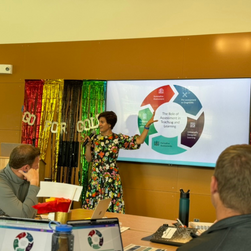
(63, 228)
(184, 195)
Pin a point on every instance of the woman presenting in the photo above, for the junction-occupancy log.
(103, 150)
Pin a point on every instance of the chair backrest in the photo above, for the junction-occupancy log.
(6, 148)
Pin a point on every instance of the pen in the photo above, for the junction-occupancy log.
(180, 223)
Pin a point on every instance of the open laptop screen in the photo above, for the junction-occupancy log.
(101, 234)
(24, 234)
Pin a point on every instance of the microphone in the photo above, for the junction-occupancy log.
(90, 136)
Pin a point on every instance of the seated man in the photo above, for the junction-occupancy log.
(19, 183)
(231, 196)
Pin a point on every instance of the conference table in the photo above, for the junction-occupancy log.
(139, 227)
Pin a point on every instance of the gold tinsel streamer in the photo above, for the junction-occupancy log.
(51, 112)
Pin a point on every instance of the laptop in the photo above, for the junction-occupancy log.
(24, 234)
(101, 209)
(102, 234)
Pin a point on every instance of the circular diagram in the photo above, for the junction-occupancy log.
(95, 239)
(24, 241)
(180, 118)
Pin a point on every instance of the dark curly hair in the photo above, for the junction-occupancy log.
(110, 116)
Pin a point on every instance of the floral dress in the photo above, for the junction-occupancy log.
(105, 180)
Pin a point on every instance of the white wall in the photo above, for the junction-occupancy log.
(76, 20)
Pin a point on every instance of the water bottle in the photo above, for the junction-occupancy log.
(62, 238)
(184, 207)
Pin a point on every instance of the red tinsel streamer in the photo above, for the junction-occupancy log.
(32, 106)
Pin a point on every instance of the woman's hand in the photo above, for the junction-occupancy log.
(84, 139)
(87, 143)
(143, 135)
(151, 120)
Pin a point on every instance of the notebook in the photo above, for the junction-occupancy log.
(172, 235)
(24, 234)
(101, 234)
(101, 208)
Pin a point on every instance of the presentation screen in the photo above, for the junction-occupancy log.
(197, 119)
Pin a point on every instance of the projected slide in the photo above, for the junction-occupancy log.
(197, 119)
(179, 129)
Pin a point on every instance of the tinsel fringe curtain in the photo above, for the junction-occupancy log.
(51, 121)
(69, 143)
(93, 103)
(56, 106)
(32, 111)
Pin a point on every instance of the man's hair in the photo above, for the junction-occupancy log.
(110, 116)
(23, 155)
(233, 173)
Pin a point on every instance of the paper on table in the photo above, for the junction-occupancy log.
(123, 229)
(59, 190)
(133, 247)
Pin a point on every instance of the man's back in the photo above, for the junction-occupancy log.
(230, 234)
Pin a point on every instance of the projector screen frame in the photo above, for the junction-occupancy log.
(172, 82)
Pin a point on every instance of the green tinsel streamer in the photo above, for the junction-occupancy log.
(93, 103)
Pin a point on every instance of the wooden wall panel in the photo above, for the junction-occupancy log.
(108, 59)
(52, 61)
(201, 208)
(12, 99)
(158, 204)
(145, 176)
(12, 54)
(10, 136)
(149, 189)
(218, 56)
(3, 162)
(199, 183)
(145, 184)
